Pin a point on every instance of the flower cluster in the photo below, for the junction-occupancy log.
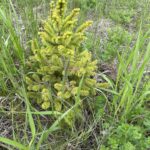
(59, 61)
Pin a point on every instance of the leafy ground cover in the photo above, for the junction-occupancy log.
(68, 83)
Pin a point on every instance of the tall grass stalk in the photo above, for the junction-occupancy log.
(132, 65)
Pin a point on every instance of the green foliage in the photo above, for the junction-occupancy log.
(11, 51)
(59, 62)
(100, 106)
(127, 137)
(87, 7)
(134, 90)
(85, 4)
(123, 16)
(118, 39)
(122, 11)
(59, 68)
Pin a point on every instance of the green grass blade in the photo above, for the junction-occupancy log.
(30, 117)
(13, 143)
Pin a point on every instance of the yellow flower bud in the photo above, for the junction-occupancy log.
(59, 94)
(67, 95)
(36, 88)
(58, 86)
(84, 93)
(58, 105)
(74, 90)
(103, 85)
(36, 77)
(46, 94)
(45, 105)
(28, 80)
(84, 26)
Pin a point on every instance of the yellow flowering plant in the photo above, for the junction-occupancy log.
(59, 61)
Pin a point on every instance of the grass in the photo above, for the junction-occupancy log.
(132, 78)
(122, 106)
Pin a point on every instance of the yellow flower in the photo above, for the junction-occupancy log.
(45, 105)
(58, 86)
(58, 63)
(46, 94)
(57, 105)
(36, 88)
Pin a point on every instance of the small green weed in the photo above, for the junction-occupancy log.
(123, 16)
(127, 137)
(118, 40)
